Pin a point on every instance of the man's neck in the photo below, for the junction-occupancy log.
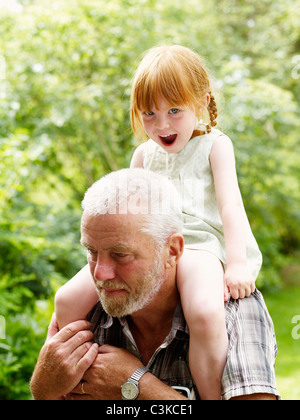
(153, 318)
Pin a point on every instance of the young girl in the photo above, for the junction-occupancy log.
(171, 99)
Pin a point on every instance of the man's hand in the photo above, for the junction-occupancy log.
(110, 370)
(63, 360)
(238, 282)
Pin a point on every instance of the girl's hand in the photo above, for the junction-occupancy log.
(238, 282)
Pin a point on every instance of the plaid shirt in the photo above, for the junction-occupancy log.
(251, 357)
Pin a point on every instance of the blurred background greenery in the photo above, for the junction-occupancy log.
(65, 74)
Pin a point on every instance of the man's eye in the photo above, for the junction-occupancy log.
(92, 253)
(121, 257)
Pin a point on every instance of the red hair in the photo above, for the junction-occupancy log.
(178, 76)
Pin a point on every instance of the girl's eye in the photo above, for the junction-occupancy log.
(149, 114)
(174, 111)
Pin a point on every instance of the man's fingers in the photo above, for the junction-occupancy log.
(106, 348)
(81, 350)
(88, 359)
(82, 388)
(78, 339)
(78, 397)
(72, 329)
(78, 389)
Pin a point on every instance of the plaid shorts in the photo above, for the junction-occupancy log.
(250, 367)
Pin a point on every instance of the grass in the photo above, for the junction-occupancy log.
(284, 305)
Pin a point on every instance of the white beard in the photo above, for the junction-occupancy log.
(146, 290)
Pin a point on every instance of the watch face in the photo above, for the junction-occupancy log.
(130, 391)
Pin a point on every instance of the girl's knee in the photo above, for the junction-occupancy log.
(206, 318)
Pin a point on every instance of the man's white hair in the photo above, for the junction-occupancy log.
(140, 192)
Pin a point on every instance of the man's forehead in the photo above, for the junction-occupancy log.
(115, 230)
(116, 221)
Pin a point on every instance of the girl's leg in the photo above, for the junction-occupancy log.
(200, 279)
(75, 299)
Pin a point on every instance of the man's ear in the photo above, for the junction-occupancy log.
(175, 250)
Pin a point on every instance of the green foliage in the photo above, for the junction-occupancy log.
(65, 74)
(284, 307)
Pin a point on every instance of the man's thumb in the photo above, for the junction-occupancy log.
(53, 327)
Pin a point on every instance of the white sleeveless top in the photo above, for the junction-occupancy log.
(191, 173)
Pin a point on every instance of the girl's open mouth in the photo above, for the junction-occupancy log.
(169, 140)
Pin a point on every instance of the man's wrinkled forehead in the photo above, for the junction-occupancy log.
(117, 220)
(119, 227)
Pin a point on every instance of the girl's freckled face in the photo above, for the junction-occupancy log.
(171, 128)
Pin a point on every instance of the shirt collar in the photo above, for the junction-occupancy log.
(179, 323)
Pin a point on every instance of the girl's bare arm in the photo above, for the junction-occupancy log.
(75, 299)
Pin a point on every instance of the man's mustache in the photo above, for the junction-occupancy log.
(111, 285)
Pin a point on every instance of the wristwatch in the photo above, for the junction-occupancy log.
(130, 390)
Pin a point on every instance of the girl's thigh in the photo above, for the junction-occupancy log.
(200, 279)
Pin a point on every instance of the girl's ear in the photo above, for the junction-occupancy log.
(175, 250)
(207, 99)
(202, 107)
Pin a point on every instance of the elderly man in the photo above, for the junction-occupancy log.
(131, 227)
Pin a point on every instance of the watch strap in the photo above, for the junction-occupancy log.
(138, 374)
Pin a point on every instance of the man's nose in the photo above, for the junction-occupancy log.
(104, 270)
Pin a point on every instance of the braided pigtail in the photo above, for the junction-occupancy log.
(204, 128)
(213, 111)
